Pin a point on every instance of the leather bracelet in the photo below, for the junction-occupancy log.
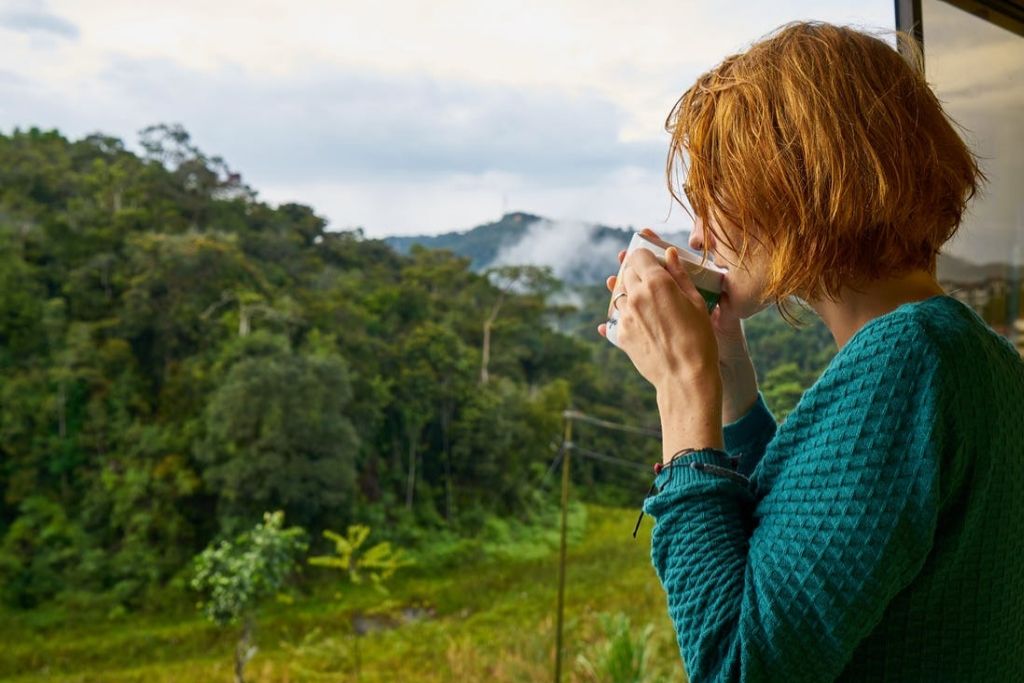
(660, 467)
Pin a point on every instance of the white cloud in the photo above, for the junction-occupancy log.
(638, 54)
(565, 246)
(404, 206)
(424, 116)
(32, 18)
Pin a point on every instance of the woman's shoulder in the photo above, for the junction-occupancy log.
(961, 337)
(889, 355)
(898, 339)
(917, 374)
(917, 348)
(880, 384)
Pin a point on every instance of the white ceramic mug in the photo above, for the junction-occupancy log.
(707, 278)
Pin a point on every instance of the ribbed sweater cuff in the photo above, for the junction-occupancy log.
(672, 481)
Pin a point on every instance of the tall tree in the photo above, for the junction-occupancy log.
(533, 281)
(277, 434)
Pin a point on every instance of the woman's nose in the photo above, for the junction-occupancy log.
(697, 236)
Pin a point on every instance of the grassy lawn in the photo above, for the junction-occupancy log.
(490, 620)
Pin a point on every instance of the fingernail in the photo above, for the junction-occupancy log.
(672, 254)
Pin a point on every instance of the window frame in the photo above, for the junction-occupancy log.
(1006, 14)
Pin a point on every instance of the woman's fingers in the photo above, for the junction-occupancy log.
(622, 255)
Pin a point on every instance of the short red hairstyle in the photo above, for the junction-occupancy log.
(830, 150)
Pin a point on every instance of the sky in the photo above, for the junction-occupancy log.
(400, 117)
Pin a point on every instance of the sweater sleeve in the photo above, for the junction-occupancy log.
(784, 586)
(747, 437)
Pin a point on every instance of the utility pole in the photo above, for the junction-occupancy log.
(566, 450)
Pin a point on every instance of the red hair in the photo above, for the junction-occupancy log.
(827, 148)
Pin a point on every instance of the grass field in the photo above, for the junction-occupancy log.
(488, 620)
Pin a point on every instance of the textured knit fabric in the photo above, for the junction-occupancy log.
(877, 534)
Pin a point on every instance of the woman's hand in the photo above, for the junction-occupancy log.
(665, 330)
(739, 380)
(663, 325)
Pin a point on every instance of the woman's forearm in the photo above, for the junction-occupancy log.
(739, 388)
(691, 416)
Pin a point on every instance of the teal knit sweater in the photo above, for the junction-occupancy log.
(876, 534)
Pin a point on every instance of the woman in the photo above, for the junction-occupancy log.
(876, 534)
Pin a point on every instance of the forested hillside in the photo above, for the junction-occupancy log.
(177, 357)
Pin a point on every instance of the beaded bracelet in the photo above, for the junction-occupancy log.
(661, 467)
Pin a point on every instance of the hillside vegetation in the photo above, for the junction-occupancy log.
(178, 357)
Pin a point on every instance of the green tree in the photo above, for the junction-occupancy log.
(21, 303)
(277, 433)
(39, 551)
(536, 282)
(171, 280)
(500, 441)
(235, 577)
(783, 386)
(435, 374)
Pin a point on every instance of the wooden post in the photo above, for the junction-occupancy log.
(566, 450)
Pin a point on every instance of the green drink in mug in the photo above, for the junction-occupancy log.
(707, 278)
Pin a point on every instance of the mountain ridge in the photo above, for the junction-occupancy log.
(589, 262)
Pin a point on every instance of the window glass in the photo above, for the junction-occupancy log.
(977, 69)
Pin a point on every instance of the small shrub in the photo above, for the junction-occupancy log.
(622, 657)
(235, 577)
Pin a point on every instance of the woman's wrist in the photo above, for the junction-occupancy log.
(691, 417)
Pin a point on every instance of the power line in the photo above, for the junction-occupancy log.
(554, 463)
(583, 417)
(606, 458)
